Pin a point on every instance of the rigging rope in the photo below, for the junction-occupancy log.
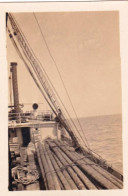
(33, 65)
(60, 77)
(28, 54)
(22, 58)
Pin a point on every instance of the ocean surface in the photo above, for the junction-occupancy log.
(104, 135)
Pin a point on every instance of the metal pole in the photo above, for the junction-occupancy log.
(16, 98)
(15, 87)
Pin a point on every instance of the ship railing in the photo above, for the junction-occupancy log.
(30, 116)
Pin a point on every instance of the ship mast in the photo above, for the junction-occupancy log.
(15, 89)
(16, 99)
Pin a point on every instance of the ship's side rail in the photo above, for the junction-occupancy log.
(30, 116)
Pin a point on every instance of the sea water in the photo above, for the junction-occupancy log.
(104, 135)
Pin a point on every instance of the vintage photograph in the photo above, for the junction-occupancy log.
(64, 100)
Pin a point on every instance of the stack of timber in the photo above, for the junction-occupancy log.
(62, 168)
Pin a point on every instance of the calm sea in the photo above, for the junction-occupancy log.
(104, 135)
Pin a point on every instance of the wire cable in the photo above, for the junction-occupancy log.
(20, 55)
(60, 77)
(21, 39)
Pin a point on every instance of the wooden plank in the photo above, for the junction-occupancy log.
(41, 168)
(50, 182)
(53, 172)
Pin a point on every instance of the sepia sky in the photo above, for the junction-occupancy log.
(85, 46)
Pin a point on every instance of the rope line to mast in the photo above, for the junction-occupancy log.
(22, 58)
(26, 55)
(31, 62)
(60, 77)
